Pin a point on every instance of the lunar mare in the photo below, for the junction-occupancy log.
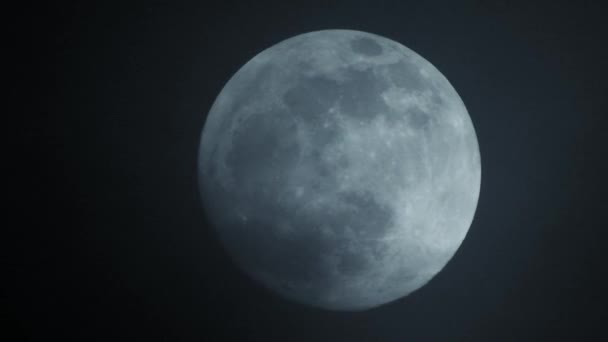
(340, 169)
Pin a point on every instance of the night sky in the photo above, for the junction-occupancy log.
(112, 243)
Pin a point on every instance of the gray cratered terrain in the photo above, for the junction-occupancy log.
(340, 169)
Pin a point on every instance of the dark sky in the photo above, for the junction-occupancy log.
(112, 243)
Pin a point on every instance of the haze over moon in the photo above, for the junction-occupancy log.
(340, 169)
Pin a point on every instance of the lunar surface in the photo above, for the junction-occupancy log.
(340, 169)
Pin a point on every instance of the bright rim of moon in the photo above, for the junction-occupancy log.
(340, 169)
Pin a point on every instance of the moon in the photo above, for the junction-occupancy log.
(340, 169)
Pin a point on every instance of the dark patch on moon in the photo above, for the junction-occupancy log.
(311, 98)
(263, 149)
(295, 259)
(418, 118)
(366, 46)
(297, 256)
(360, 98)
(365, 216)
(212, 166)
(405, 74)
(352, 264)
(244, 88)
(310, 102)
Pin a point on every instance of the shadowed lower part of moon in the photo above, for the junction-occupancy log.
(340, 169)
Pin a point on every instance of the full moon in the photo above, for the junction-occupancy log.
(340, 169)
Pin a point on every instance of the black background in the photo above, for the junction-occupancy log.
(111, 242)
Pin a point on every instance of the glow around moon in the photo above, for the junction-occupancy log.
(340, 169)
